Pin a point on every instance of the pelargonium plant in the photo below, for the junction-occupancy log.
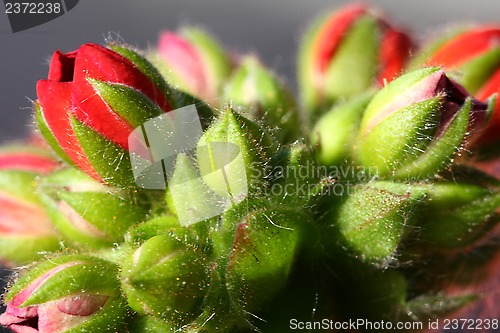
(186, 189)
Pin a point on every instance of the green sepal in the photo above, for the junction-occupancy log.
(106, 213)
(84, 275)
(353, 68)
(474, 73)
(160, 225)
(295, 177)
(111, 161)
(187, 195)
(111, 214)
(310, 96)
(144, 66)
(440, 152)
(389, 93)
(49, 137)
(93, 275)
(257, 247)
(458, 214)
(132, 105)
(237, 133)
(206, 113)
(195, 235)
(372, 221)
(336, 132)
(165, 278)
(395, 141)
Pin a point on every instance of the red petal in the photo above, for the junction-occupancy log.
(333, 32)
(27, 162)
(465, 47)
(490, 87)
(62, 66)
(19, 219)
(82, 305)
(55, 101)
(394, 52)
(97, 62)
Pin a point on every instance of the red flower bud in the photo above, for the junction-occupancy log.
(25, 229)
(66, 294)
(473, 59)
(193, 61)
(93, 98)
(348, 52)
(465, 46)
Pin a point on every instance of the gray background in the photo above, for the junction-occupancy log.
(271, 28)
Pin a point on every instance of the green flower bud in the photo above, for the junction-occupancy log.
(258, 95)
(336, 132)
(165, 278)
(190, 198)
(230, 154)
(373, 219)
(414, 126)
(160, 225)
(195, 235)
(456, 214)
(87, 213)
(259, 246)
(66, 294)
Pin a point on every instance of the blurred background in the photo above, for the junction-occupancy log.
(270, 28)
